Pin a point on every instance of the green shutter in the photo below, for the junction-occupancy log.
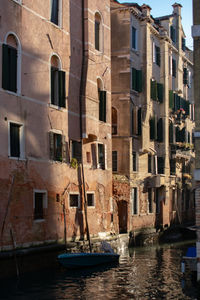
(5, 67)
(152, 128)
(53, 70)
(154, 94)
(61, 82)
(177, 100)
(139, 119)
(139, 81)
(160, 130)
(160, 89)
(171, 99)
(134, 79)
(13, 69)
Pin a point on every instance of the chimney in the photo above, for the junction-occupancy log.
(146, 10)
(177, 9)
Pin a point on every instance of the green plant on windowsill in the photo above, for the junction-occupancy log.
(74, 163)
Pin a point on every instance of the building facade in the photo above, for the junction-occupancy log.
(196, 42)
(55, 94)
(152, 118)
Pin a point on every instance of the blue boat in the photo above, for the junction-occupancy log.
(83, 260)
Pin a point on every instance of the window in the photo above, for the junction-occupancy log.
(139, 121)
(90, 199)
(39, 204)
(57, 146)
(172, 166)
(161, 165)
(98, 32)
(57, 84)
(54, 11)
(76, 150)
(185, 76)
(136, 80)
(114, 121)
(150, 201)
(16, 140)
(134, 161)
(160, 130)
(171, 133)
(157, 91)
(173, 33)
(11, 64)
(157, 55)
(74, 200)
(173, 67)
(183, 44)
(102, 106)
(114, 161)
(152, 128)
(101, 156)
(134, 38)
(134, 201)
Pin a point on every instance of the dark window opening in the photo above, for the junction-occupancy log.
(135, 202)
(150, 202)
(57, 87)
(114, 161)
(54, 11)
(73, 200)
(9, 68)
(97, 35)
(90, 199)
(14, 140)
(101, 156)
(38, 211)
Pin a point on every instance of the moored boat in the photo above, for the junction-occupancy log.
(82, 260)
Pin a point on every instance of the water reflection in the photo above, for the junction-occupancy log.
(143, 273)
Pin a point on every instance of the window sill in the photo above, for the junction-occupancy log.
(18, 2)
(12, 93)
(17, 158)
(136, 51)
(39, 220)
(57, 107)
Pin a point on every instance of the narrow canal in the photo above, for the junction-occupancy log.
(142, 273)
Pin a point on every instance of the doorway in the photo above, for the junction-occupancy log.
(122, 216)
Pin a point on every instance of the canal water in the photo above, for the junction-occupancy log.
(142, 273)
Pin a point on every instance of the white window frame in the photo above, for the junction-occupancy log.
(91, 193)
(74, 193)
(136, 38)
(105, 156)
(21, 140)
(101, 32)
(45, 202)
(19, 60)
(153, 52)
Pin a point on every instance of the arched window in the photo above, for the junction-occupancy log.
(98, 32)
(114, 120)
(102, 100)
(11, 64)
(57, 83)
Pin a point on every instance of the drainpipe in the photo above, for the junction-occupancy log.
(81, 94)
